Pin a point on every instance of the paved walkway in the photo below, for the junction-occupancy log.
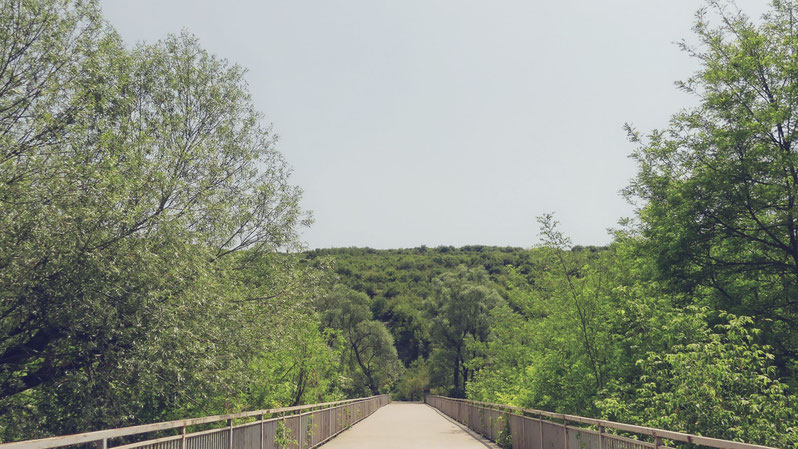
(408, 425)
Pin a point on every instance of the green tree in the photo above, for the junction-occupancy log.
(370, 354)
(719, 185)
(460, 310)
(409, 327)
(724, 385)
(503, 376)
(44, 43)
(414, 381)
(130, 184)
(300, 369)
(584, 298)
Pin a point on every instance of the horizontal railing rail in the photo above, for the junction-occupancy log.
(535, 429)
(300, 427)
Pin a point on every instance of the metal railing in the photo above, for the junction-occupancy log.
(538, 429)
(301, 427)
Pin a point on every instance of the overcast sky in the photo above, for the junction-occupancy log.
(413, 122)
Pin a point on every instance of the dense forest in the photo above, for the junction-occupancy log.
(151, 266)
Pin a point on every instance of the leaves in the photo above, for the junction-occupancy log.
(719, 185)
(368, 348)
(722, 386)
(131, 184)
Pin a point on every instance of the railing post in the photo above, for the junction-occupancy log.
(230, 430)
(301, 431)
(565, 432)
(657, 441)
(601, 436)
(183, 437)
(540, 434)
(262, 430)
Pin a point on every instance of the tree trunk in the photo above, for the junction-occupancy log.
(456, 391)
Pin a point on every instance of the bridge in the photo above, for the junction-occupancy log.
(376, 422)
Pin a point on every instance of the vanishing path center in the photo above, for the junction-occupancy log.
(408, 425)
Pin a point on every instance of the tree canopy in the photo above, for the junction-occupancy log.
(719, 185)
(137, 188)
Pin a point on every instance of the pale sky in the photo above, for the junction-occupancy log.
(425, 122)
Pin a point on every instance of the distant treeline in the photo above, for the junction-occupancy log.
(399, 282)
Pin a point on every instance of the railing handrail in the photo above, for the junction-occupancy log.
(649, 431)
(99, 435)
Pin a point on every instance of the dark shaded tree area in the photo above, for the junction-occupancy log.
(440, 304)
(402, 284)
(368, 348)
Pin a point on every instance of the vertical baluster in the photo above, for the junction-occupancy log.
(301, 432)
(540, 421)
(230, 430)
(183, 437)
(262, 431)
(601, 436)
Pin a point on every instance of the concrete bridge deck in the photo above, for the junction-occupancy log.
(408, 425)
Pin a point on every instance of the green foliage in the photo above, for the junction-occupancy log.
(717, 191)
(503, 373)
(505, 436)
(369, 352)
(584, 297)
(302, 368)
(138, 191)
(414, 380)
(400, 282)
(724, 385)
(460, 326)
(149, 266)
(552, 347)
(660, 358)
(719, 185)
(283, 437)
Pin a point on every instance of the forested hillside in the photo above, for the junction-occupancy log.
(401, 283)
(151, 266)
(589, 331)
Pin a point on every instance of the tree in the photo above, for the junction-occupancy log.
(409, 327)
(370, 353)
(719, 186)
(504, 372)
(43, 45)
(460, 308)
(301, 369)
(130, 184)
(724, 386)
(583, 298)
(414, 381)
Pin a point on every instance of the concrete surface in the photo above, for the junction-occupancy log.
(408, 425)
